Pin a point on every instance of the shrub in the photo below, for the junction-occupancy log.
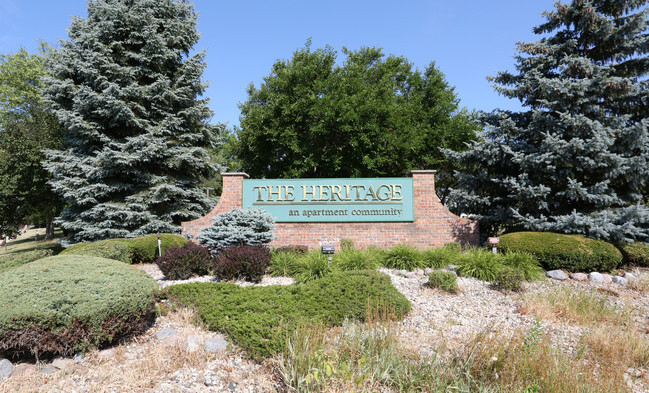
(67, 303)
(354, 259)
(282, 262)
(479, 263)
(443, 280)
(109, 249)
(346, 243)
(570, 252)
(295, 249)
(259, 319)
(238, 227)
(403, 257)
(441, 257)
(11, 261)
(311, 266)
(509, 279)
(145, 249)
(524, 263)
(242, 262)
(636, 253)
(181, 263)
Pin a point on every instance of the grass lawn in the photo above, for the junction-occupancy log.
(31, 240)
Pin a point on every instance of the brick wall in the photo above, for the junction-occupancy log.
(434, 225)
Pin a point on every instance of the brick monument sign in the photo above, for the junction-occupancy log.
(373, 212)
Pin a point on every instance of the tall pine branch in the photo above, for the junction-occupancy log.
(127, 92)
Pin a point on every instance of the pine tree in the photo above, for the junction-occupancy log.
(576, 160)
(128, 95)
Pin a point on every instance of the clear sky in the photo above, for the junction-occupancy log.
(468, 40)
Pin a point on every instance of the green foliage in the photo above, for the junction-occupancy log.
(238, 227)
(346, 243)
(27, 129)
(574, 253)
(181, 263)
(446, 281)
(576, 159)
(310, 266)
(64, 304)
(144, 249)
(136, 130)
(259, 319)
(403, 257)
(353, 259)
(440, 257)
(371, 116)
(636, 253)
(509, 279)
(524, 263)
(10, 261)
(109, 249)
(282, 263)
(479, 263)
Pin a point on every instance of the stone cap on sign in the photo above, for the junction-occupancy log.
(243, 174)
(422, 171)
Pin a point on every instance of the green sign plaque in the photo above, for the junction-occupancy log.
(332, 200)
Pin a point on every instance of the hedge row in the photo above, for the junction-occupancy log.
(574, 253)
(136, 250)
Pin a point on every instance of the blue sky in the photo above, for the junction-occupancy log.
(468, 40)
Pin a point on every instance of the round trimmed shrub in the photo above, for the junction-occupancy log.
(181, 263)
(238, 227)
(242, 262)
(574, 253)
(63, 304)
(636, 253)
(109, 249)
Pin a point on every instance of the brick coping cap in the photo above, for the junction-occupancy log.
(244, 174)
(423, 171)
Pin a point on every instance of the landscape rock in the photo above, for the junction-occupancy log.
(410, 275)
(106, 353)
(5, 368)
(419, 272)
(607, 278)
(215, 344)
(24, 369)
(403, 272)
(619, 280)
(428, 271)
(595, 277)
(192, 343)
(78, 358)
(172, 341)
(165, 332)
(47, 370)
(557, 275)
(579, 276)
(629, 276)
(62, 363)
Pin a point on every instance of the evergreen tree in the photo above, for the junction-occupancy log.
(576, 160)
(136, 134)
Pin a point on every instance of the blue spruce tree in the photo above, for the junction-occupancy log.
(136, 135)
(576, 160)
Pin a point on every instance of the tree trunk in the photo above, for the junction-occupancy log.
(49, 229)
